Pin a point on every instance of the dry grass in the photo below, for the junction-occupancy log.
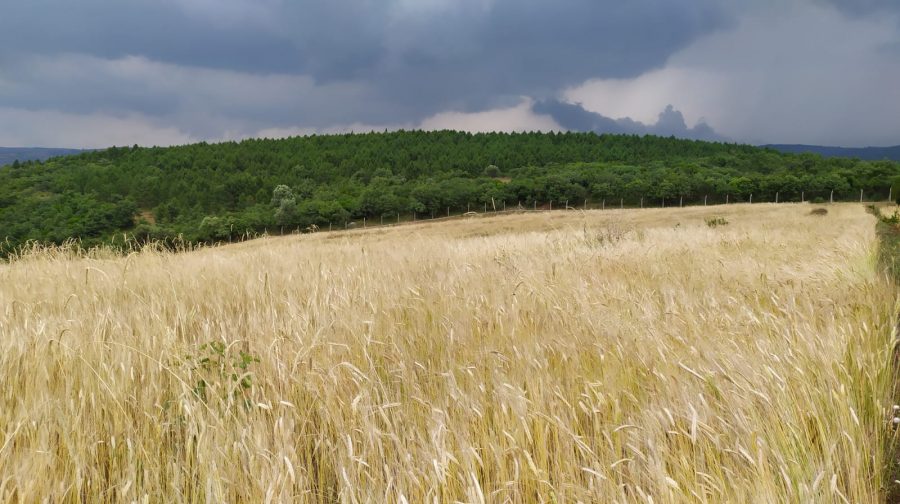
(515, 359)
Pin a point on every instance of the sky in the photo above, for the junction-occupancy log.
(96, 73)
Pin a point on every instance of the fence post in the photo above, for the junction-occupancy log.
(727, 197)
(551, 205)
(776, 197)
(398, 217)
(603, 205)
(642, 202)
(860, 195)
(585, 205)
(891, 194)
(831, 198)
(448, 211)
(621, 203)
(329, 227)
(681, 202)
(751, 198)
(802, 196)
(705, 197)
(364, 222)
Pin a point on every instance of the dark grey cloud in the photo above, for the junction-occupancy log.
(418, 57)
(158, 30)
(573, 116)
(808, 71)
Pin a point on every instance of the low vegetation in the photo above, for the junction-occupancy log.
(506, 359)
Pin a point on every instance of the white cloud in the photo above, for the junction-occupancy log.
(293, 131)
(205, 103)
(518, 118)
(798, 72)
(20, 127)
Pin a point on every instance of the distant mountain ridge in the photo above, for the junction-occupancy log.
(9, 155)
(863, 153)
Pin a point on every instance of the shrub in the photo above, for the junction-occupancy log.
(893, 219)
(491, 171)
(218, 366)
(819, 211)
(607, 235)
(715, 222)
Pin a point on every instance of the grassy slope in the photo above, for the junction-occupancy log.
(889, 259)
(600, 356)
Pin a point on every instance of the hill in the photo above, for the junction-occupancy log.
(865, 153)
(212, 192)
(9, 155)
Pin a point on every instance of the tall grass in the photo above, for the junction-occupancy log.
(519, 359)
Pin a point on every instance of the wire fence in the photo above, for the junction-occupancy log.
(502, 208)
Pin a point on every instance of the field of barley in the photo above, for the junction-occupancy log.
(617, 356)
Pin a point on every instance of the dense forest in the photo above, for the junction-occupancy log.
(213, 192)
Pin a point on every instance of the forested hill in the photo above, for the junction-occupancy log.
(866, 153)
(216, 192)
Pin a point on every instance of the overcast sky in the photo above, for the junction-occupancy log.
(94, 73)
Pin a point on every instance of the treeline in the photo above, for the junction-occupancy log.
(211, 192)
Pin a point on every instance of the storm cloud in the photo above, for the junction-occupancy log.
(171, 71)
(670, 122)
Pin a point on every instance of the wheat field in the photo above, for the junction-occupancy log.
(618, 356)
